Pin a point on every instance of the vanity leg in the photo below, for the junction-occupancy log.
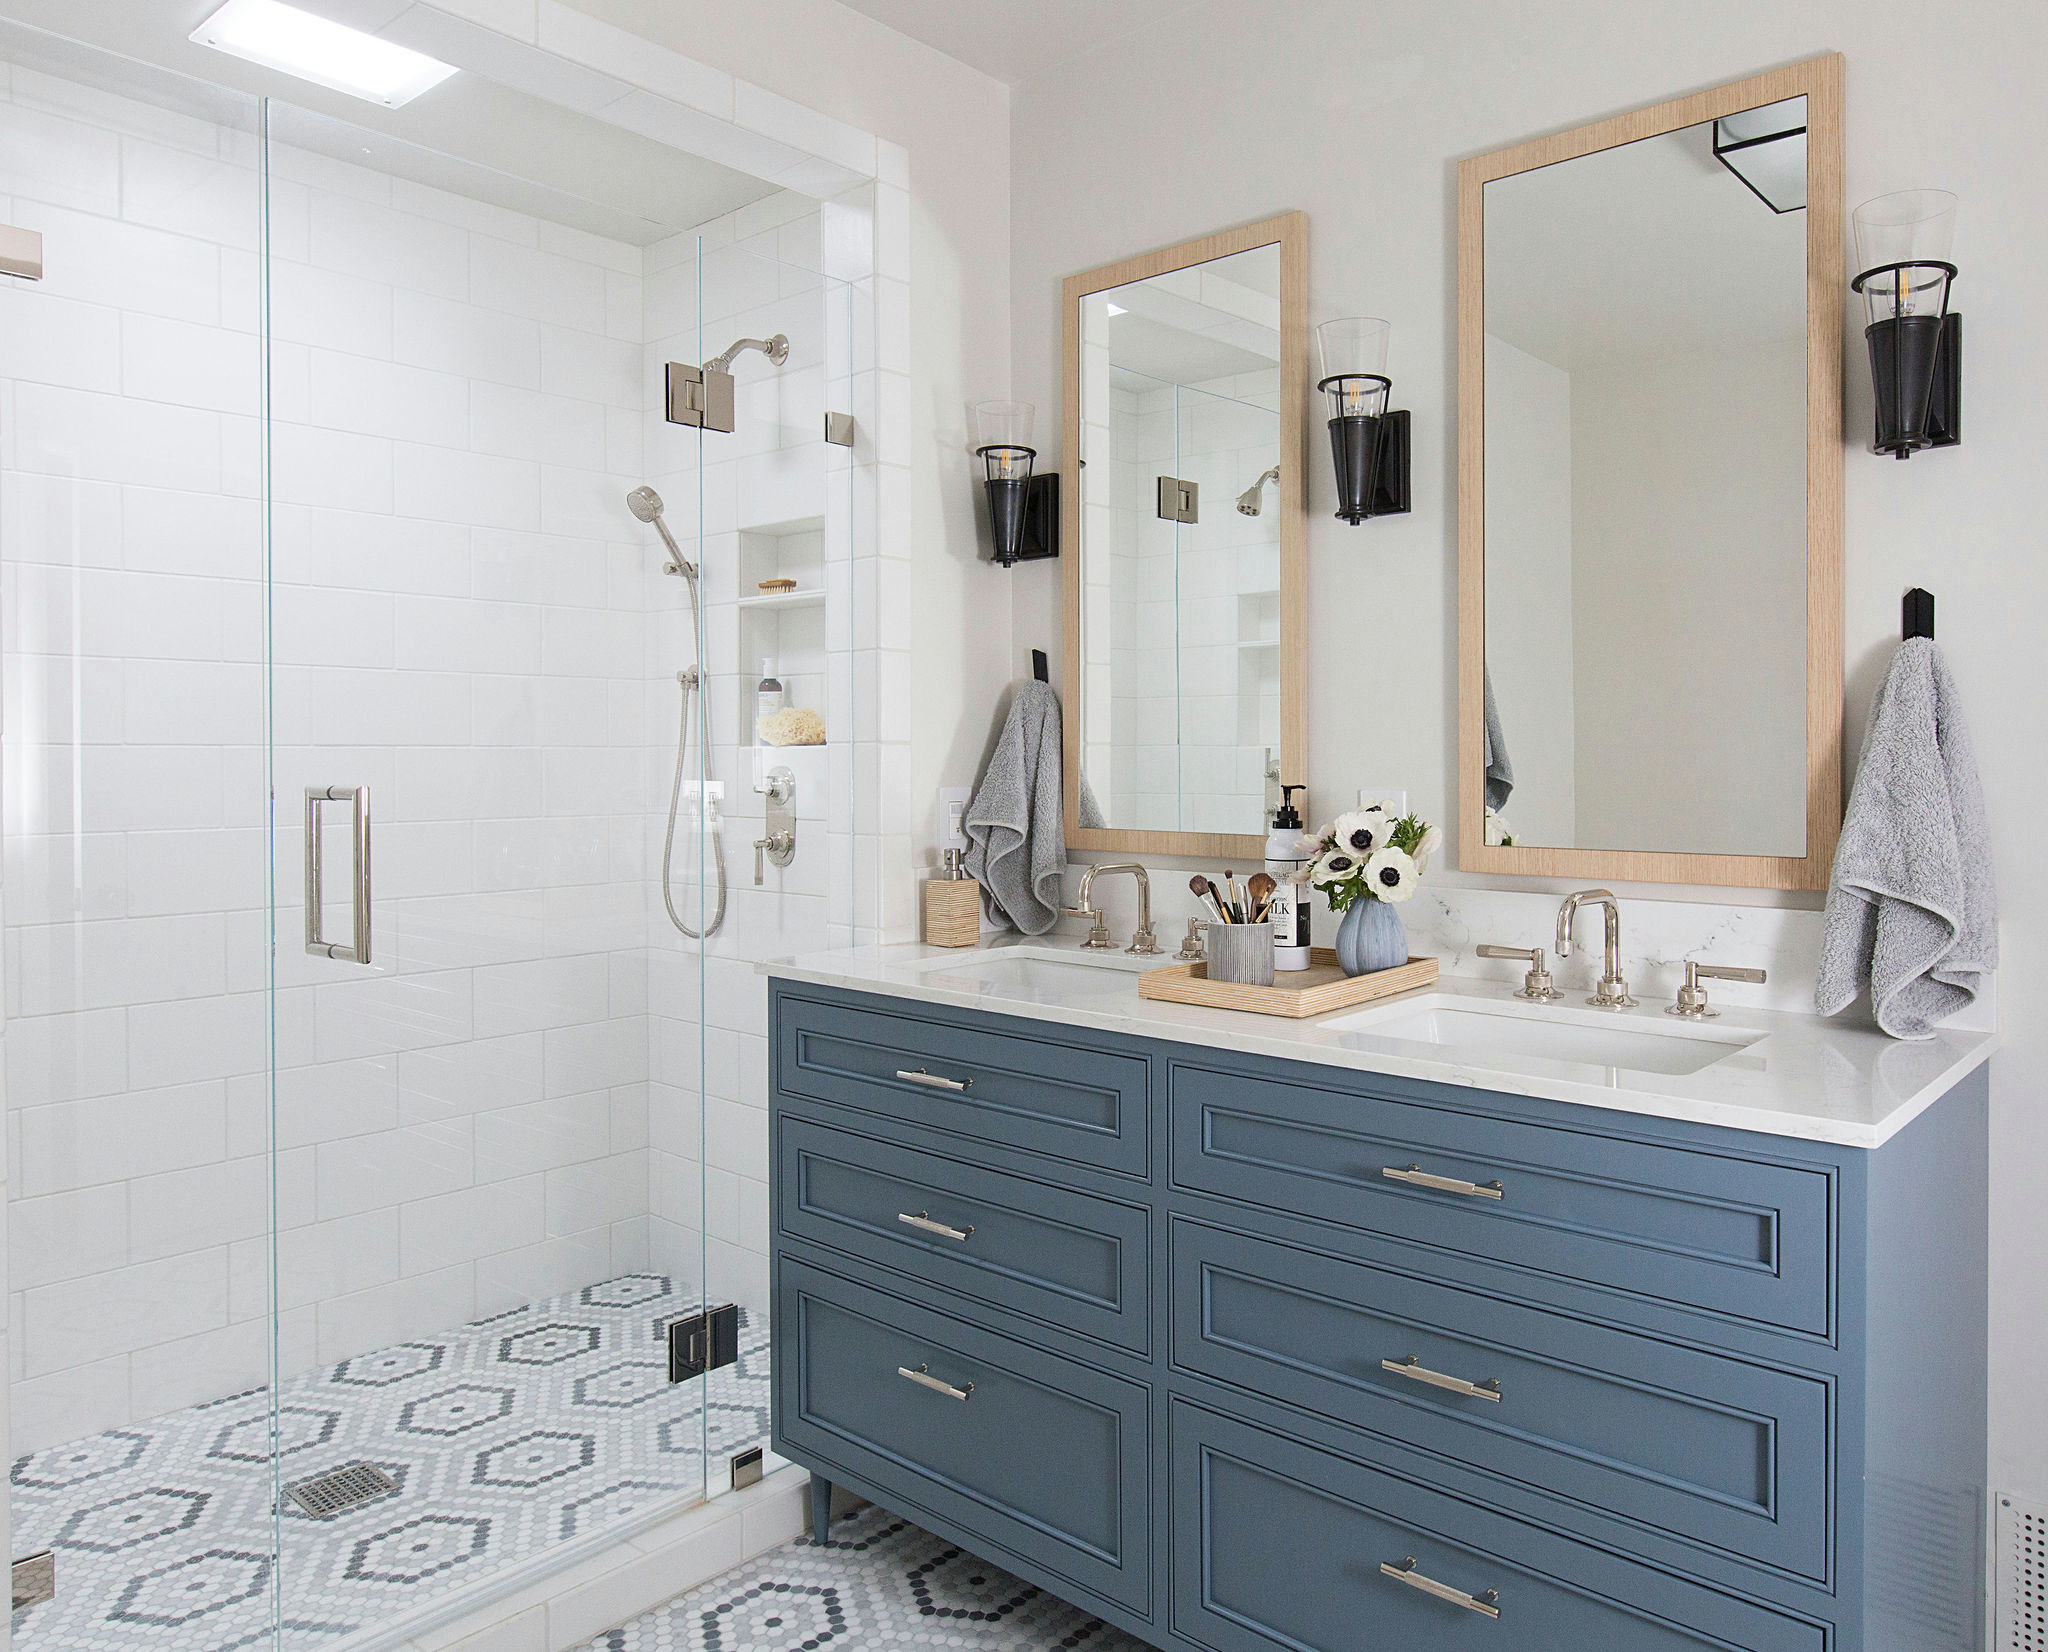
(821, 1510)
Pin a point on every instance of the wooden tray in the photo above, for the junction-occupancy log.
(1297, 993)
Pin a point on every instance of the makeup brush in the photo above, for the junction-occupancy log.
(1230, 890)
(1204, 890)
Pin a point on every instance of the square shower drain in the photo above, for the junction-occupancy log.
(336, 1492)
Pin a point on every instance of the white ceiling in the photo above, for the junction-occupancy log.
(1015, 40)
(470, 134)
(1647, 250)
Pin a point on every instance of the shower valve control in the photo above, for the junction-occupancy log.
(778, 842)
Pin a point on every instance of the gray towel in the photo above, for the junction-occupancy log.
(1500, 773)
(1912, 913)
(1016, 832)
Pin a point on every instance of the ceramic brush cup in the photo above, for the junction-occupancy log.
(1241, 953)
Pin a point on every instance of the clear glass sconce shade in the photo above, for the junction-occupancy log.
(1002, 434)
(1352, 354)
(1907, 235)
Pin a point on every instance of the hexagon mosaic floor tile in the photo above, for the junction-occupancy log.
(880, 1583)
(501, 1438)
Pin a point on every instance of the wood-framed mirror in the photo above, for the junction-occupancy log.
(1184, 499)
(1650, 492)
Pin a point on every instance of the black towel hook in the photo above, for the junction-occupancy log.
(1042, 671)
(1917, 616)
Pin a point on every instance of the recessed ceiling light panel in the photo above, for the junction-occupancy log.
(321, 50)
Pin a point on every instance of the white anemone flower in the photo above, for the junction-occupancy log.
(1499, 834)
(1340, 863)
(1364, 830)
(1432, 840)
(1390, 874)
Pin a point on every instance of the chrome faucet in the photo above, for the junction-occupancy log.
(1144, 943)
(1612, 993)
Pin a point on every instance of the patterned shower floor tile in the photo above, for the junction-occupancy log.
(501, 1439)
(880, 1583)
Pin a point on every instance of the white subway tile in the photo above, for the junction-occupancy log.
(385, 398)
(324, 1260)
(70, 1404)
(198, 1208)
(105, 262)
(193, 1370)
(49, 158)
(385, 1314)
(53, 340)
(66, 1235)
(472, 1077)
(595, 1056)
(541, 993)
(119, 961)
(393, 1167)
(65, 1057)
(544, 1135)
(82, 1320)
(333, 1099)
(194, 195)
(197, 1038)
(113, 439)
(469, 635)
(479, 1221)
(414, 254)
(338, 312)
(472, 488)
(590, 367)
(466, 340)
(543, 286)
(599, 1191)
(533, 1273)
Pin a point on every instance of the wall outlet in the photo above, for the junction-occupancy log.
(1369, 795)
(952, 811)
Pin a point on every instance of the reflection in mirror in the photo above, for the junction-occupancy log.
(1180, 547)
(1646, 493)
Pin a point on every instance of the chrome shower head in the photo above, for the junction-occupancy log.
(776, 349)
(1248, 502)
(645, 503)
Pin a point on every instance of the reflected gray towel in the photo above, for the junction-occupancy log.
(1016, 833)
(1912, 912)
(1500, 773)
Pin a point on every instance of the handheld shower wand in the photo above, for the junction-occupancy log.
(645, 503)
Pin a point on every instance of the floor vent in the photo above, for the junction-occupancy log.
(2022, 1574)
(326, 1495)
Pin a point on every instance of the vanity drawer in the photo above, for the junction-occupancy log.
(1282, 1545)
(1043, 1457)
(1068, 1259)
(1703, 1447)
(1687, 1226)
(1085, 1106)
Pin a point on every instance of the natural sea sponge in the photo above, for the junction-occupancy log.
(792, 726)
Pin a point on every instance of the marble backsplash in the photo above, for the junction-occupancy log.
(1450, 922)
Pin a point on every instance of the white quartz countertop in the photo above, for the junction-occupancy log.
(1829, 1080)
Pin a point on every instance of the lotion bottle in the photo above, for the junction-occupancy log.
(1288, 854)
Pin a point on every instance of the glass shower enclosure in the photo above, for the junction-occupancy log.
(383, 808)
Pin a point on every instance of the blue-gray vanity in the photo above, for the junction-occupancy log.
(1243, 1352)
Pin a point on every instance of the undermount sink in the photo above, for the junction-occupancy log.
(1040, 974)
(1476, 1029)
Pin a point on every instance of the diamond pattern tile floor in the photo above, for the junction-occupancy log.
(880, 1583)
(503, 1437)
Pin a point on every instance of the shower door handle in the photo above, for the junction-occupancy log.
(357, 950)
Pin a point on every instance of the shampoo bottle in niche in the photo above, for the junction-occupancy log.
(768, 695)
(1289, 853)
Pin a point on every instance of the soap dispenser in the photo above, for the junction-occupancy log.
(1289, 854)
(952, 900)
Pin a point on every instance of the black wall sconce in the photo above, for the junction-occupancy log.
(1916, 341)
(1368, 439)
(1023, 509)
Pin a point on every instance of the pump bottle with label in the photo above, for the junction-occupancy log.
(1288, 854)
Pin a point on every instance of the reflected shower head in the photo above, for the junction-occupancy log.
(645, 503)
(1248, 502)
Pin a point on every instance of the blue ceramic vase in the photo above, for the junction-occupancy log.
(1371, 937)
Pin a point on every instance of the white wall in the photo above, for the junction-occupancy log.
(1358, 114)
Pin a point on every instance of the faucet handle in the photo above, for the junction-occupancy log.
(1692, 997)
(1536, 985)
(1099, 937)
(1191, 949)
